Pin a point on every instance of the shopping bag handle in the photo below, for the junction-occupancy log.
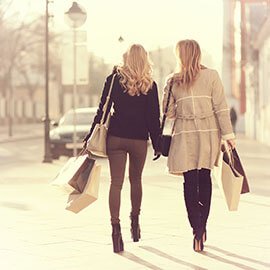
(85, 151)
(82, 152)
(228, 150)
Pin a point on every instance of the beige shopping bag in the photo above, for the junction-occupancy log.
(229, 180)
(79, 200)
(70, 171)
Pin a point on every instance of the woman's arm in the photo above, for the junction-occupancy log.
(153, 115)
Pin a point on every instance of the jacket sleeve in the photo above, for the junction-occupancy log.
(171, 113)
(221, 109)
(99, 112)
(153, 115)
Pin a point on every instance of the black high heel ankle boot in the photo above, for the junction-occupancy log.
(118, 244)
(135, 228)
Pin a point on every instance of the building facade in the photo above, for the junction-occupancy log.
(262, 111)
(257, 116)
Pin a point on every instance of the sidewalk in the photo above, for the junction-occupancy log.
(37, 233)
(21, 132)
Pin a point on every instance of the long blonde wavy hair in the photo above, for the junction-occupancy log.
(136, 71)
(188, 53)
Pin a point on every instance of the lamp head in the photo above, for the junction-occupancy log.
(76, 15)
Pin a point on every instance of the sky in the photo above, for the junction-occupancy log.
(152, 23)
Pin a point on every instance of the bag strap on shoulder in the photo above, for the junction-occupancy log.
(105, 106)
(166, 107)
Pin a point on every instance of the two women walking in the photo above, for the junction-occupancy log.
(201, 120)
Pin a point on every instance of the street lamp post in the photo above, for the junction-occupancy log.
(75, 17)
(47, 155)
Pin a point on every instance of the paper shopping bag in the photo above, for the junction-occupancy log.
(77, 200)
(229, 180)
(79, 181)
(240, 169)
(70, 171)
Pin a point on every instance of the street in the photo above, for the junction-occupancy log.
(26, 153)
(64, 69)
(38, 233)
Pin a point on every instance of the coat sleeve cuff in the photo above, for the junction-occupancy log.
(228, 136)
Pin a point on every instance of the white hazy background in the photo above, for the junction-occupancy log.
(152, 23)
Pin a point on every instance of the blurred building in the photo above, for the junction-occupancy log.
(262, 44)
(23, 101)
(246, 68)
(231, 70)
(228, 62)
(257, 69)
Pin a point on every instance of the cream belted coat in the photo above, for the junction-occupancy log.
(201, 119)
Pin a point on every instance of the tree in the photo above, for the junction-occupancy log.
(22, 55)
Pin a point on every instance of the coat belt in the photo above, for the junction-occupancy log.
(195, 116)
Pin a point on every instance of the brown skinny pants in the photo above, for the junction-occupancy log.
(118, 149)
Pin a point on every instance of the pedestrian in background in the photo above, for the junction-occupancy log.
(202, 120)
(233, 116)
(136, 115)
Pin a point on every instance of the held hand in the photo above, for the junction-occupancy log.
(231, 143)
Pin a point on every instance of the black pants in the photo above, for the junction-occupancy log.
(197, 194)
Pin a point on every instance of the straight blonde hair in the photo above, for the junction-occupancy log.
(136, 71)
(188, 53)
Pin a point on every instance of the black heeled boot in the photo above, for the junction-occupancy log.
(204, 236)
(135, 228)
(198, 239)
(118, 244)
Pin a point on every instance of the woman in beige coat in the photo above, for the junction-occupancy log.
(199, 109)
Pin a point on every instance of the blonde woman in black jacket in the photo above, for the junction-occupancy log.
(136, 116)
